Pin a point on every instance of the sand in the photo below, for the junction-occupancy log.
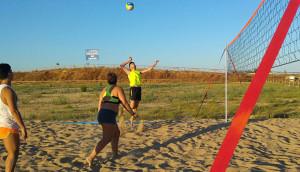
(266, 145)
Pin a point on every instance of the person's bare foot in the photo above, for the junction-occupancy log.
(89, 161)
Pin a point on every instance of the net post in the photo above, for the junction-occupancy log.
(226, 83)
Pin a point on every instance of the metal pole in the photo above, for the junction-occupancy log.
(226, 83)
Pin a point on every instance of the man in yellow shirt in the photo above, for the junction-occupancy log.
(134, 77)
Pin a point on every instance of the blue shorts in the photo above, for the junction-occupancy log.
(107, 116)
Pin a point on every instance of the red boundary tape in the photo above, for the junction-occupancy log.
(243, 113)
(211, 82)
(206, 92)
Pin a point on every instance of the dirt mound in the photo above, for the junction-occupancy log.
(101, 73)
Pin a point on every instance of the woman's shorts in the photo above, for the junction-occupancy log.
(5, 132)
(107, 116)
(135, 93)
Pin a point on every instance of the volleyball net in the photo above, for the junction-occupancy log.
(250, 45)
(269, 39)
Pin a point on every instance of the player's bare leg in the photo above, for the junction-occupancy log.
(121, 112)
(133, 104)
(12, 144)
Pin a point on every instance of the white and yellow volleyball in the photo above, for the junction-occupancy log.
(129, 6)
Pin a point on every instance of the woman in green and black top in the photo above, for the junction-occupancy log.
(110, 98)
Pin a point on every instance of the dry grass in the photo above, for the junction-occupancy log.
(72, 94)
(168, 101)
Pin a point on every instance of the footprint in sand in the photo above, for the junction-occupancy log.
(174, 147)
(65, 160)
(42, 153)
(283, 139)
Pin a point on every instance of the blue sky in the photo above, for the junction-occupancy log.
(189, 33)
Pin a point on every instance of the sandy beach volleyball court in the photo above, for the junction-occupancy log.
(266, 145)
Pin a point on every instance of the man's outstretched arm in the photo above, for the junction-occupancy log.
(150, 68)
(125, 63)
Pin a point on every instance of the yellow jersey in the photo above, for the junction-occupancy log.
(134, 78)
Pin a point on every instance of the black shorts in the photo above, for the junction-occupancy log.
(135, 93)
(107, 116)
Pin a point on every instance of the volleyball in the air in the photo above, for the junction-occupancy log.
(129, 6)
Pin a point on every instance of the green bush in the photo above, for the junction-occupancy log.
(83, 88)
